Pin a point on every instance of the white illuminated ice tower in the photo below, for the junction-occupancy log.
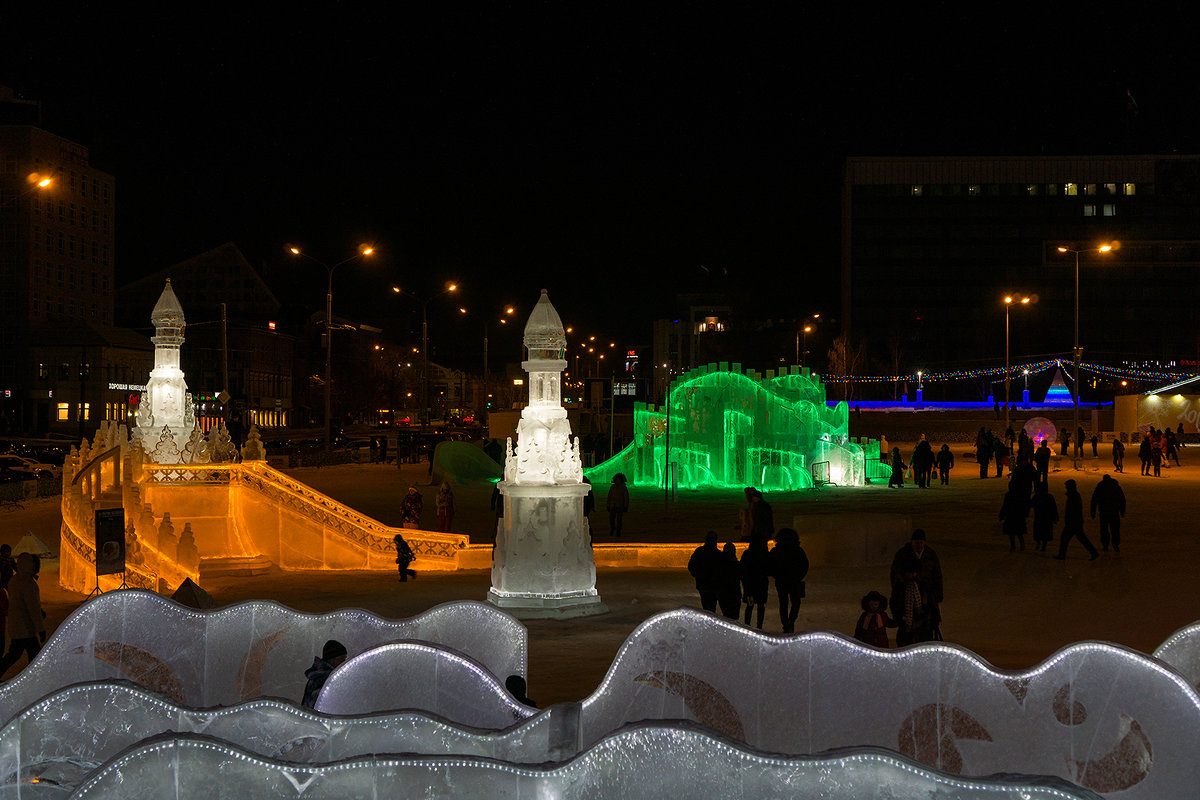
(165, 416)
(542, 564)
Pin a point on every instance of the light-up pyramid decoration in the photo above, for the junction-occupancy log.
(165, 417)
(1058, 393)
(542, 564)
(733, 429)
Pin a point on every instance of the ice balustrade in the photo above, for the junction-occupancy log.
(1105, 717)
(731, 429)
(644, 761)
(243, 651)
(65, 736)
(414, 675)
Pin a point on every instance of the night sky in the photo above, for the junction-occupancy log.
(642, 153)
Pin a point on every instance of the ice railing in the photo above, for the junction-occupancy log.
(1182, 651)
(243, 651)
(645, 761)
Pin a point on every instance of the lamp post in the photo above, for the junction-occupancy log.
(450, 287)
(1025, 398)
(1075, 413)
(509, 310)
(364, 250)
(1008, 301)
(804, 331)
(37, 183)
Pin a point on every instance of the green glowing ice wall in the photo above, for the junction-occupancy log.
(735, 429)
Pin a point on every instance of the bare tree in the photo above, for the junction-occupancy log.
(845, 358)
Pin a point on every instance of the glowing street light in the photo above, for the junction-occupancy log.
(364, 251)
(1008, 303)
(450, 288)
(1104, 248)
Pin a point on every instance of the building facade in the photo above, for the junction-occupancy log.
(931, 246)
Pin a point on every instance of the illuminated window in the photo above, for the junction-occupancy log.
(1089, 188)
(1109, 210)
(1130, 189)
(973, 190)
(64, 412)
(1110, 188)
(85, 412)
(1051, 188)
(917, 190)
(1089, 211)
(1031, 190)
(1071, 189)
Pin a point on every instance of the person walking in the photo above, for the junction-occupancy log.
(1118, 455)
(1013, 513)
(445, 507)
(26, 622)
(410, 508)
(1045, 515)
(1144, 455)
(705, 566)
(756, 578)
(945, 463)
(983, 454)
(898, 467)
(404, 557)
(1073, 524)
(1109, 500)
(929, 577)
(729, 596)
(1041, 460)
(789, 565)
(617, 504)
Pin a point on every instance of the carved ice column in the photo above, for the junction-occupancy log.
(542, 564)
(165, 416)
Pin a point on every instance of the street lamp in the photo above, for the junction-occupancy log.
(1026, 397)
(1008, 301)
(37, 183)
(450, 287)
(1075, 414)
(804, 331)
(364, 250)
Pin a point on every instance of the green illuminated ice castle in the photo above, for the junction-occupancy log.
(733, 429)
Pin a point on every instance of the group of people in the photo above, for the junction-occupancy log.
(916, 598)
(21, 615)
(1025, 496)
(924, 464)
(1158, 448)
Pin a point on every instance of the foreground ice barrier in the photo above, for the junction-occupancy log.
(64, 737)
(1182, 651)
(641, 762)
(414, 675)
(243, 651)
(1100, 715)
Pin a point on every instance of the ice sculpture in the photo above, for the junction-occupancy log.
(165, 417)
(239, 652)
(542, 563)
(417, 676)
(644, 761)
(1098, 714)
(730, 429)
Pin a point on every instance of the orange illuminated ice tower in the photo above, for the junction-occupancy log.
(542, 564)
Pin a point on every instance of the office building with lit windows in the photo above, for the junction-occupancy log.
(931, 245)
(63, 364)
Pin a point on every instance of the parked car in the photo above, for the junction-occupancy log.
(15, 463)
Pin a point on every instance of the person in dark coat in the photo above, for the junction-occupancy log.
(762, 518)
(873, 622)
(1079, 442)
(26, 620)
(729, 596)
(1045, 515)
(1000, 453)
(1144, 455)
(789, 565)
(7, 565)
(1073, 524)
(983, 454)
(705, 567)
(898, 467)
(332, 656)
(945, 463)
(1013, 513)
(1156, 458)
(617, 504)
(1041, 461)
(929, 577)
(1118, 455)
(1109, 500)
(404, 557)
(756, 578)
(1024, 476)
(922, 463)
(910, 605)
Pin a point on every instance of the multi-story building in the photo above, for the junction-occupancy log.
(59, 350)
(930, 247)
